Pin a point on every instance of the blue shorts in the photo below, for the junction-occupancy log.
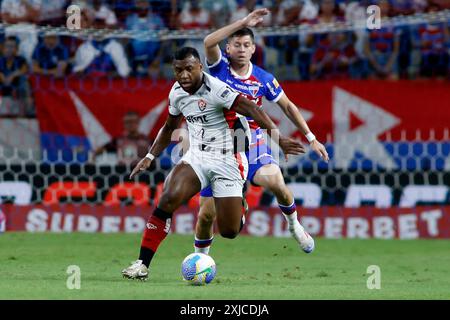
(257, 157)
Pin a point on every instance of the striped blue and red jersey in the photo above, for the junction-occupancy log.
(255, 85)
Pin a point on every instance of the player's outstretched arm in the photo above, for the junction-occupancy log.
(211, 42)
(161, 142)
(247, 108)
(294, 114)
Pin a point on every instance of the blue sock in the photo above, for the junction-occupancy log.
(287, 210)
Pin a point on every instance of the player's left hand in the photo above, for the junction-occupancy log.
(255, 17)
(141, 166)
(320, 150)
(290, 146)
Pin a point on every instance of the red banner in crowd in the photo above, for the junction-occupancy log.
(328, 222)
(84, 107)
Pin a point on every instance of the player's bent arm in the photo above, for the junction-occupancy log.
(161, 142)
(293, 114)
(247, 108)
(164, 136)
(212, 40)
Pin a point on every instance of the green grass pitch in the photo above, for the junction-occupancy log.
(33, 266)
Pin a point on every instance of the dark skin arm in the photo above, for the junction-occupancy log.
(161, 142)
(247, 108)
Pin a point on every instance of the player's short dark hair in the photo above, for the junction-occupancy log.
(243, 32)
(186, 52)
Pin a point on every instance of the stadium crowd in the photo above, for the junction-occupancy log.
(400, 52)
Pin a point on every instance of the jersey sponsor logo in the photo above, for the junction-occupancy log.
(238, 86)
(194, 119)
(275, 83)
(271, 89)
(151, 226)
(202, 104)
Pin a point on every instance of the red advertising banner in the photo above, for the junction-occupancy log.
(328, 222)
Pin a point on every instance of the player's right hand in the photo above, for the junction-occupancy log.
(290, 146)
(255, 17)
(141, 166)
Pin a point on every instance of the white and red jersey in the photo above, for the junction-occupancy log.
(255, 85)
(205, 112)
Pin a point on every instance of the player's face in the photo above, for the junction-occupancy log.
(188, 73)
(240, 49)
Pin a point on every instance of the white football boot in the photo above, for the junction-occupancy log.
(303, 238)
(137, 270)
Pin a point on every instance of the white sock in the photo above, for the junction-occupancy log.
(291, 218)
(204, 250)
(199, 245)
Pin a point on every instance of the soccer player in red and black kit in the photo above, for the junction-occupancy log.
(211, 109)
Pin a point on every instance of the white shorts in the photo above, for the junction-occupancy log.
(225, 173)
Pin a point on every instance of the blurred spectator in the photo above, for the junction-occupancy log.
(355, 13)
(419, 6)
(50, 57)
(16, 98)
(131, 146)
(193, 16)
(334, 58)
(432, 40)
(442, 4)
(245, 7)
(53, 12)
(309, 10)
(402, 7)
(163, 8)
(333, 52)
(329, 12)
(220, 11)
(99, 56)
(285, 12)
(23, 14)
(145, 54)
(382, 48)
(104, 17)
(122, 9)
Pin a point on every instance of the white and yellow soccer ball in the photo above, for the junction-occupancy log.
(198, 269)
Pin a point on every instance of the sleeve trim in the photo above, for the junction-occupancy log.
(215, 64)
(277, 98)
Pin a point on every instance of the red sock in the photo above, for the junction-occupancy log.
(155, 232)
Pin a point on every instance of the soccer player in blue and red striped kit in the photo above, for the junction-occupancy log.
(236, 70)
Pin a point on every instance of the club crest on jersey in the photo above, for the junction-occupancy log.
(253, 90)
(202, 104)
(253, 87)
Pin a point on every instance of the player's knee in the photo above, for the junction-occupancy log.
(205, 218)
(229, 233)
(277, 186)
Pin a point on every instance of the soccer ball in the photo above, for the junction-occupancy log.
(198, 269)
